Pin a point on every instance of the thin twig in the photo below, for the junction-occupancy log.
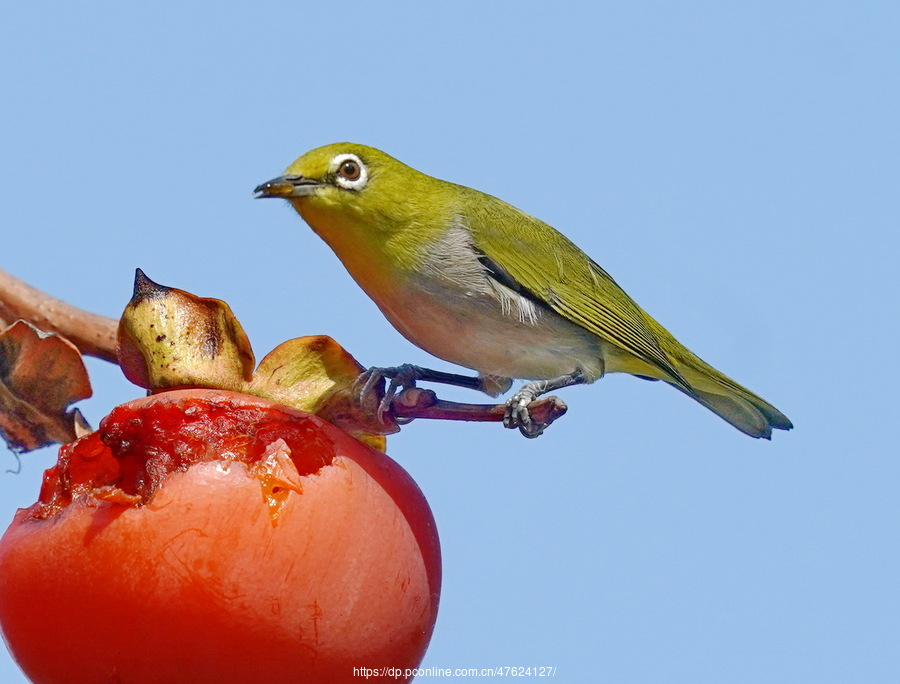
(416, 402)
(93, 334)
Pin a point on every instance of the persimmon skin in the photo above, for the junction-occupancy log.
(267, 568)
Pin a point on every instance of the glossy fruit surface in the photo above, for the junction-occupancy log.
(209, 536)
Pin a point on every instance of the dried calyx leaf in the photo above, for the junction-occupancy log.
(169, 338)
(316, 374)
(41, 374)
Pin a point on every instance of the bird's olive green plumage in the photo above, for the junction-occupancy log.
(482, 284)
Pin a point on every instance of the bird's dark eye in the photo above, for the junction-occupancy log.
(350, 170)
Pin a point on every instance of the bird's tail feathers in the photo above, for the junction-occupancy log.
(732, 402)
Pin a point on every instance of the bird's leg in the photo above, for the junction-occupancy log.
(517, 405)
(405, 376)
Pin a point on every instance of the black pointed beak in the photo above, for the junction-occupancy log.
(287, 187)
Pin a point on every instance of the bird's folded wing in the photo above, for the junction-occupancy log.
(551, 269)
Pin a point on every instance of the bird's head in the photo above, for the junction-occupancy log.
(350, 181)
(329, 173)
(369, 207)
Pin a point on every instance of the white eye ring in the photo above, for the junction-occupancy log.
(349, 172)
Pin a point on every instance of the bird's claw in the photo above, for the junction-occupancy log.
(370, 385)
(517, 415)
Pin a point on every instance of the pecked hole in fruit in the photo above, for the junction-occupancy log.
(278, 476)
(140, 443)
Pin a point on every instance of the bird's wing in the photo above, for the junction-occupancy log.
(538, 261)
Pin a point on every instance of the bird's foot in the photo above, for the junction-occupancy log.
(405, 377)
(517, 415)
(369, 384)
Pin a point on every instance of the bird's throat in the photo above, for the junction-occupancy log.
(356, 244)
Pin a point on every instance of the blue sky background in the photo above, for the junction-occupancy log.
(734, 165)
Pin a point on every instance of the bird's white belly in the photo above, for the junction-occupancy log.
(474, 330)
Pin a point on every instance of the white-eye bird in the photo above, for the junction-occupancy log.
(479, 283)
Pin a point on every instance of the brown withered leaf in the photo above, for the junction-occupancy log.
(40, 376)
